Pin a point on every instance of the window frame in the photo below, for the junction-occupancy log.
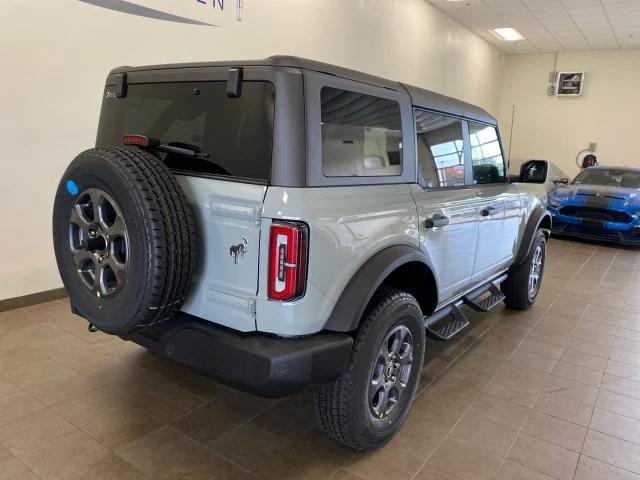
(504, 158)
(466, 148)
(314, 83)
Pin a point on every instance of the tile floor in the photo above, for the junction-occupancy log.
(552, 393)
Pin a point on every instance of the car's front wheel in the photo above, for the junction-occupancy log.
(367, 405)
(524, 281)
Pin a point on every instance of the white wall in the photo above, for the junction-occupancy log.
(557, 128)
(55, 55)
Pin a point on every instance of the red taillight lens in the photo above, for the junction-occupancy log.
(287, 260)
(140, 141)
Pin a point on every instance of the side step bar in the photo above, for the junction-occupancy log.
(450, 320)
(446, 322)
(487, 302)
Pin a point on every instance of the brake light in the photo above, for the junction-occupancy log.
(140, 141)
(287, 260)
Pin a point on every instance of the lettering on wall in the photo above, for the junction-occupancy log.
(220, 4)
(194, 12)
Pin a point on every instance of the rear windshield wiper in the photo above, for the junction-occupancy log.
(155, 144)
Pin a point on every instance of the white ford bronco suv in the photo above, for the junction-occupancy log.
(279, 223)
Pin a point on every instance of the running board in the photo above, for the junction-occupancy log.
(450, 320)
(446, 323)
(480, 302)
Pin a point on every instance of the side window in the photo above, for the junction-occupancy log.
(440, 149)
(361, 135)
(486, 155)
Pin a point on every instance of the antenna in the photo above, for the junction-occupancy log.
(513, 117)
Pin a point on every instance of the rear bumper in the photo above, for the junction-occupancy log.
(257, 363)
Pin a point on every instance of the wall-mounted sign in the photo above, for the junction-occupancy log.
(194, 12)
(570, 84)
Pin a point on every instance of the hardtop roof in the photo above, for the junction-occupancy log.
(419, 96)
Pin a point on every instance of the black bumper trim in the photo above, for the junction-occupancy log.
(256, 363)
(562, 229)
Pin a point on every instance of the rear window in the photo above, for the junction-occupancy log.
(237, 133)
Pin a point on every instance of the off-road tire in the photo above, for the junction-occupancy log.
(342, 407)
(516, 286)
(161, 238)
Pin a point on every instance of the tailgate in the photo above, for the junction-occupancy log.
(228, 217)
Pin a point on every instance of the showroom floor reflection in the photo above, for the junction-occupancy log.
(552, 393)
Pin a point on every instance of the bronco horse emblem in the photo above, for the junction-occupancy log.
(239, 250)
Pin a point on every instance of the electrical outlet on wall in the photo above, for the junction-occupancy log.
(592, 147)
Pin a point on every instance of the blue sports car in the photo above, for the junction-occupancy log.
(602, 203)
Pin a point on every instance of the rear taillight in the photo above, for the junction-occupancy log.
(287, 260)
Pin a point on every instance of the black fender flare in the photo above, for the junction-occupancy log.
(348, 311)
(533, 225)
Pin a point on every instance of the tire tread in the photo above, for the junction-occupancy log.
(331, 400)
(169, 222)
(515, 287)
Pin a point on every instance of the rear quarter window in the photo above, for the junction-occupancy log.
(237, 133)
(361, 135)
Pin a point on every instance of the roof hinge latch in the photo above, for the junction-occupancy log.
(234, 82)
(121, 85)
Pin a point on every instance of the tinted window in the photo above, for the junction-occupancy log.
(486, 154)
(237, 133)
(610, 177)
(440, 149)
(361, 135)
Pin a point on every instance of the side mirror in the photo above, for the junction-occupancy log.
(534, 171)
(561, 181)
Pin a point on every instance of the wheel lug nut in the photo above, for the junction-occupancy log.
(92, 233)
(100, 259)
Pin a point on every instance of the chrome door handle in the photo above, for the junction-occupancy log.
(436, 221)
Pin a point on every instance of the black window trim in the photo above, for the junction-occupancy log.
(504, 158)
(466, 148)
(313, 84)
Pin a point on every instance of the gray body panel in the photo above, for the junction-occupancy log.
(227, 214)
(451, 249)
(348, 226)
(498, 232)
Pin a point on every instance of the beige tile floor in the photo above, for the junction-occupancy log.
(552, 393)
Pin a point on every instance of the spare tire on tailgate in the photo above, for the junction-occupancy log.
(124, 239)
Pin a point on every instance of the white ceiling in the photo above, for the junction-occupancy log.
(551, 25)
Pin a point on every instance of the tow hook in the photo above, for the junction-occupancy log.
(92, 328)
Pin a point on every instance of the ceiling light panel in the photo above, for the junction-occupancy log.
(551, 25)
(509, 34)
